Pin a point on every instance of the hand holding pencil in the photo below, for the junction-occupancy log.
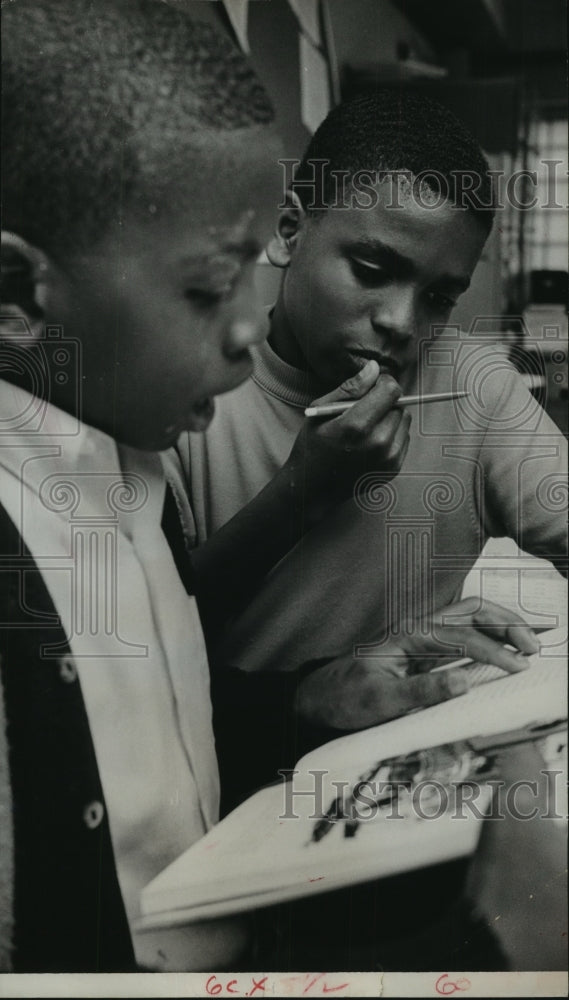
(371, 432)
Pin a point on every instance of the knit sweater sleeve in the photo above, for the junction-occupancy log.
(523, 460)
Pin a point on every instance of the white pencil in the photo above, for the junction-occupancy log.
(332, 409)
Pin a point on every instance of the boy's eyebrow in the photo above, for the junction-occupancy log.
(245, 250)
(405, 265)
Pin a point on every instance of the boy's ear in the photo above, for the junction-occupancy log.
(291, 221)
(25, 273)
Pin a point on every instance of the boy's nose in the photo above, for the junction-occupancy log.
(244, 332)
(394, 314)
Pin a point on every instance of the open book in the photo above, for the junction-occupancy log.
(406, 794)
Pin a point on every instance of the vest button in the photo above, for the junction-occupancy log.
(67, 669)
(93, 815)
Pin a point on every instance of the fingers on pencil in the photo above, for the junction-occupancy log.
(485, 621)
(376, 426)
(376, 404)
(524, 638)
(353, 388)
(506, 624)
(480, 646)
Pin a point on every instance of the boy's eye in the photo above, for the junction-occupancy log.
(206, 298)
(366, 272)
(440, 301)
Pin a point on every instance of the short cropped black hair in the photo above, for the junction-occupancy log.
(395, 130)
(98, 97)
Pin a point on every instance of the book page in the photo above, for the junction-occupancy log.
(530, 586)
(279, 856)
(273, 835)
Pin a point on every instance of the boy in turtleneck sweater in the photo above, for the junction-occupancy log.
(373, 264)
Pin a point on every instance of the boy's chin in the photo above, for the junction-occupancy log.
(200, 415)
(159, 438)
